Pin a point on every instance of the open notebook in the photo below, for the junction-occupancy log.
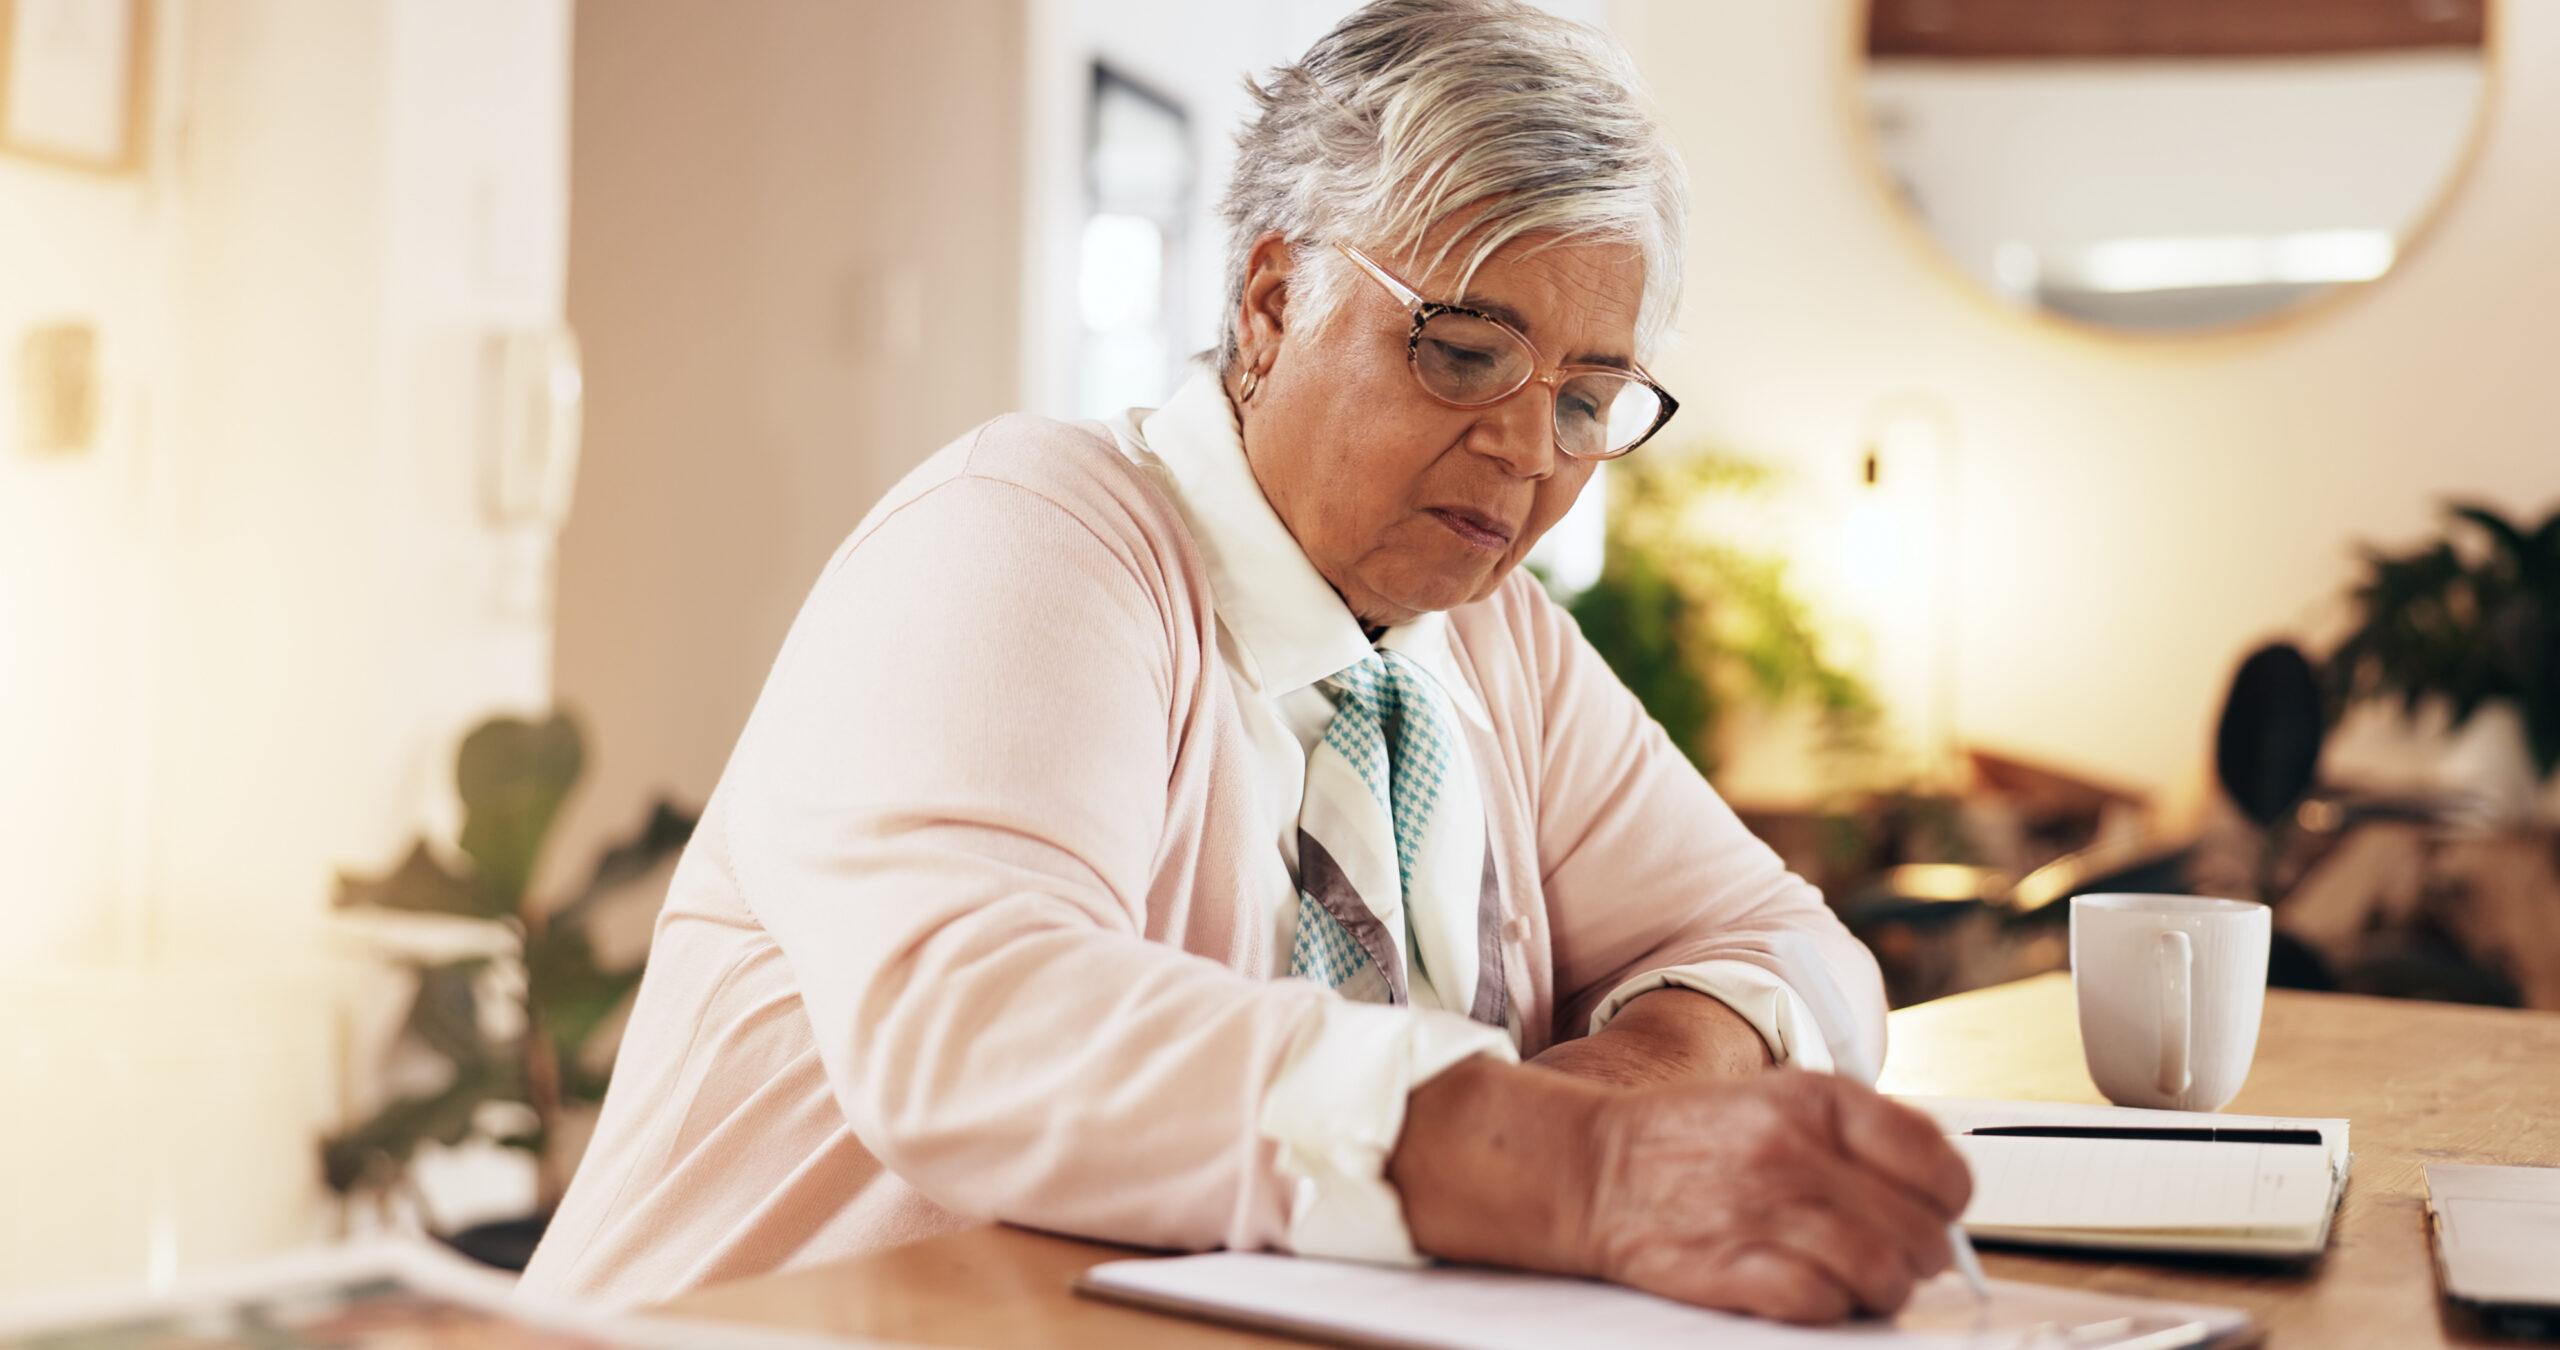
(2270, 1200)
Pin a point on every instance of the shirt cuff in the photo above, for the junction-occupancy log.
(1768, 1003)
(1336, 1108)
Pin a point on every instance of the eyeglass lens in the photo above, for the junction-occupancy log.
(1467, 360)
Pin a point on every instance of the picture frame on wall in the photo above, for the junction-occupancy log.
(71, 82)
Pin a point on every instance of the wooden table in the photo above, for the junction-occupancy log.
(2421, 1083)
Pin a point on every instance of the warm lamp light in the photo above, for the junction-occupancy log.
(1899, 542)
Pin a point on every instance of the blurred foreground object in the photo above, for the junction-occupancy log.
(379, 1294)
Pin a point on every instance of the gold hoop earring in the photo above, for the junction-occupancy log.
(1252, 381)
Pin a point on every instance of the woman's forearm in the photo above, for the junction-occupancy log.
(1667, 1036)
(1495, 1163)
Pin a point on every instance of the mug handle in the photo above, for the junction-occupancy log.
(2177, 1006)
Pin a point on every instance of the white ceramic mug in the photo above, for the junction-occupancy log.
(2171, 988)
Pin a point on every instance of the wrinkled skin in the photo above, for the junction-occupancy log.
(1780, 1194)
(1371, 474)
(1792, 1196)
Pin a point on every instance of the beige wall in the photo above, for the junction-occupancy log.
(242, 631)
(795, 254)
(2136, 514)
(238, 638)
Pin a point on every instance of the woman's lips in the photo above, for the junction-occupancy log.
(1482, 531)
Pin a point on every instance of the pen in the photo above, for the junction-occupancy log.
(2205, 1136)
(1967, 1262)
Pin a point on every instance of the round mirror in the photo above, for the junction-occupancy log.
(2174, 165)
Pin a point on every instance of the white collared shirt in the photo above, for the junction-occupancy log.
(1337, 1106)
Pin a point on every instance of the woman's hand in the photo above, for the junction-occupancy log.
(1796, 1196)
(1788, 1195)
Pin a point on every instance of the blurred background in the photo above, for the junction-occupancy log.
(2119, 449)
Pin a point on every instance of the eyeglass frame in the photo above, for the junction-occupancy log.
(1424, 311)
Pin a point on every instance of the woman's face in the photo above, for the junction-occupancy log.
(1404, 504)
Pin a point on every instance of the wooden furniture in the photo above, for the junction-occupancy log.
(2494, 896)
(2010, 29)
(2421, 1083)
(985, 1286)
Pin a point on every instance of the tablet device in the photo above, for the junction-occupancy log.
(2497, 1240)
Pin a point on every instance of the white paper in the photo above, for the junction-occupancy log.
(2143, 1183)
(1457, 1306)
(2250, 1199)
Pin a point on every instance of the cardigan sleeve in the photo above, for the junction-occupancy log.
(1651, 879)
(947, 810)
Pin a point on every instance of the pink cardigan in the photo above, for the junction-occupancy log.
(960, 934)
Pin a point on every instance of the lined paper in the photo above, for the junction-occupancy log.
(2240, 1201)
(2143, 1183)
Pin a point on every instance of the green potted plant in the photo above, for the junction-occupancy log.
(2471, 618)
(513, 776)
(1698, 627)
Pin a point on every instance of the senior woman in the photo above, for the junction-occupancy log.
(1196, 830)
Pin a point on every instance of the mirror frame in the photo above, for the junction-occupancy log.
(1877, 185)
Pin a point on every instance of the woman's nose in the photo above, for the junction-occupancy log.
(1520, 432)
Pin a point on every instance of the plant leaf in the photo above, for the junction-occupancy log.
(1633, 616)
(1695, 628)
(578, 1083)
(665, 831)
(376, 1150)
(513, 775)
(419, 885)
(569, 991)
(445, 1014)
(2546, 540)
(2511, 541)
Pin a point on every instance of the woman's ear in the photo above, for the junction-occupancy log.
(1266, 300)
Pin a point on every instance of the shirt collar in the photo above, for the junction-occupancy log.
(1426, 640)
(1286, 618)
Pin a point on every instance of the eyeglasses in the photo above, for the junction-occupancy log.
(1469, 359)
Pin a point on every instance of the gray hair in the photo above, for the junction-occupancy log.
(1490, 115)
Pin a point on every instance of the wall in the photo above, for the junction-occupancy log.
(795, 264)
(2135, 514)
(238, 639)
(77, 246)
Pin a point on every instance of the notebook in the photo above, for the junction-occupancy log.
(2218, 1198)
(1464, 1306)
